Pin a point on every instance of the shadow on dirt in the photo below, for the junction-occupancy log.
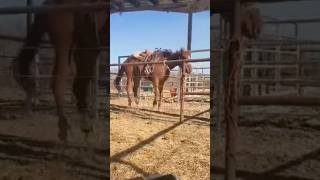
(27, 151)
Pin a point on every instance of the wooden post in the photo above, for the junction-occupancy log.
(232, 93)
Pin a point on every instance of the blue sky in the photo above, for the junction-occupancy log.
(137, 31)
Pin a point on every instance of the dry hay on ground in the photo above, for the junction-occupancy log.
(145, 142)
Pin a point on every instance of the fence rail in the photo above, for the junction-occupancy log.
(167, 62)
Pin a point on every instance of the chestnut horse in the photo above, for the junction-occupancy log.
(158, 76)
(66, 30)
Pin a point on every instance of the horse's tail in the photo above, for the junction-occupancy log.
(118, 78)
(30, 47)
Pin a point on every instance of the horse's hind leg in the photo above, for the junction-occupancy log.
(136, 89)
(61, 32)
(129, 88)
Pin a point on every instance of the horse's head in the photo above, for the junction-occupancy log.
(251, 24)
(185, 54)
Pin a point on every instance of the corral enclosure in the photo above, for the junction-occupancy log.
(143, 139)
(279, 98)
(146, 141)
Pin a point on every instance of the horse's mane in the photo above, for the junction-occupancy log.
(169, 53)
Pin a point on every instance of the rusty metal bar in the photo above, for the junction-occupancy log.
(280, 100)
(198, 93)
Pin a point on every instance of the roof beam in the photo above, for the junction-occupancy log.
(118, 4)
(163, 7)
(135, 3)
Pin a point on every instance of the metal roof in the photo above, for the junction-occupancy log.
(182, 6)
(226, 5)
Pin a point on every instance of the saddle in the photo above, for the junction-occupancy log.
(142, 56)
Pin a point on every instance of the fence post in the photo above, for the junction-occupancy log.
(182, 91)
(37, 76)
(232, 108)
(278, 69)
(179, 86)
(299, 64)
(29, 16)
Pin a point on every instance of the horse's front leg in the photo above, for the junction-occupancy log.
(129, 89)
(156, 93)
(85, 62)
(161, 94)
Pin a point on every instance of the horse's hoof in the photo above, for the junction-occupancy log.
(86, 125)
(63, 135)
(137, 102)
(63, 128)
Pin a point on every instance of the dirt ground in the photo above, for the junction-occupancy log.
(30, 148)
(278, 143)
(144, 141)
